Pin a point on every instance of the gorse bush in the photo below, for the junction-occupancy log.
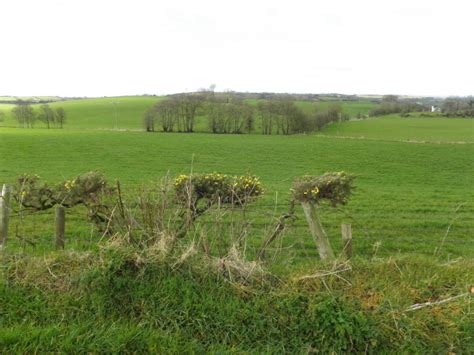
(198, 193)
(84, 189)
(335, 188)
(89, 190)
(311, 191)
(217, 188)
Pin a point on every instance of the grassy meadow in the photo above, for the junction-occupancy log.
(413, 193)
(405, 196)
(99, 113)
(415, 128)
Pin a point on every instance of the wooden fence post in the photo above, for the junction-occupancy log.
(60, 226)
(319, 235)
(4, 214)
(346, 231)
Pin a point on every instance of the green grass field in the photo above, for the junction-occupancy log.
(109, 297)
(352, 108)
(98, 113)
(413, 128)
(405, 198)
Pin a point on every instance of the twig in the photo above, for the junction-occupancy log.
(49, 270)
(323, 274)
(448, 229)
(429, 304)
(120, 201)
(278, 229)
(33, 244)
(107, 228)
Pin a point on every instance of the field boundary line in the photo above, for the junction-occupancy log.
(393, 140)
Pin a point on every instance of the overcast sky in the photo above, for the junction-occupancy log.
(128, 47)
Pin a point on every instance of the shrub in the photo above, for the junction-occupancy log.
(217, 188)
(88, 189)
(310, 191)
(335, 188)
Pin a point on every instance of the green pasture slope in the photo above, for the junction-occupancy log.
(414, 128)
(99, 113)
(405, 198)
(352, 108)
(406, 193)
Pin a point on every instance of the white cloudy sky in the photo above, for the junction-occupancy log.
(118, 47)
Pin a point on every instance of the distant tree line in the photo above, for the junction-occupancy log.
(391, 104)
(228, 113)
(458, 107)
(26, 116)
(296, 97)
(30, 102)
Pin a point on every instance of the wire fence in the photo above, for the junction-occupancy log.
(299, 228)
(261, 218)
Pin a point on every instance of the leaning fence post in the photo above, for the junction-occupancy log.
(60, 225)
(4, 214)
(346, 231)
(319, 235)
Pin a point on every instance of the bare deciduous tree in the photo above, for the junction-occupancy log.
(167, 114)
(46, 115)
(25, 115)
(188, 105)
(149, 120)
(230, 117)
(283, 116)
(60, 117)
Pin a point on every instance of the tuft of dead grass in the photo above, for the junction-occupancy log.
(57, 271)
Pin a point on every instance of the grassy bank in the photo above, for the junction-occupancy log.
(118, 299)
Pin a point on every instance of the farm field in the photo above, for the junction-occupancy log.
(98, 113)
(413, 128)
(352, 108)
(412, 214)
(405, 198)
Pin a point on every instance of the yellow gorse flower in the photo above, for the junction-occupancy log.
(69, 184)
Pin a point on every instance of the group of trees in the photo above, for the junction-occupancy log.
(393, 104)
(458, 107)
(282, 116)
(176, 113)
(230, 117)
(450, 107)
(231, 114)
(51, 117)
